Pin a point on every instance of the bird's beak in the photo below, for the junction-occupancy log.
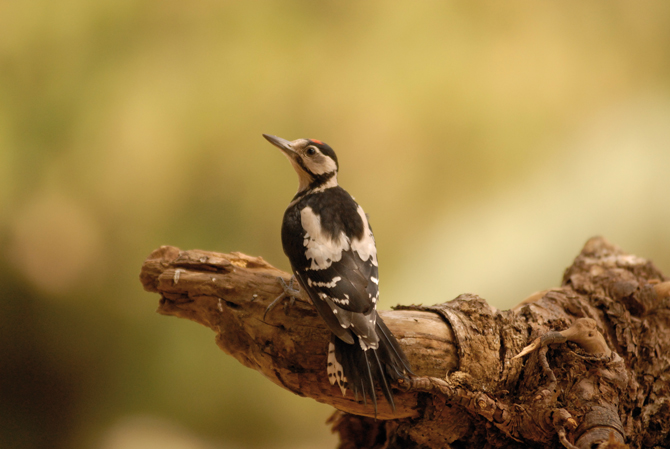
(282, 144)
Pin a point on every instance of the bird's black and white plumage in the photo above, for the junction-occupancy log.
(329, 242)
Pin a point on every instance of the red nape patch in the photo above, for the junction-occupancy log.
(318, 142)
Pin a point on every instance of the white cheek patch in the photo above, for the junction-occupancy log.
(320, 164)
(365, 247)
(320, 248)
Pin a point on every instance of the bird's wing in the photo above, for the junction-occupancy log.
(341, 276)
(350, 282)
(347, 291)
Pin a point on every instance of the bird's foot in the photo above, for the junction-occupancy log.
(290, 291)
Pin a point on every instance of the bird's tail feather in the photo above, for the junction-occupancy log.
(361, 371)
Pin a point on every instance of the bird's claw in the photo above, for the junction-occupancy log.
(289, 291)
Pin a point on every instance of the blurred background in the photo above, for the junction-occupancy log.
(486, 140)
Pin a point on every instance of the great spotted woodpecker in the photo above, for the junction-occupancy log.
(332, 251)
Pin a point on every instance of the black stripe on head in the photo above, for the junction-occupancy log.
(325, 149)
(317, 180)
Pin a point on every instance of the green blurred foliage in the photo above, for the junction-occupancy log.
(487, 141)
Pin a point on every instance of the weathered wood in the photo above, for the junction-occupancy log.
(598, 368)
(229, 293)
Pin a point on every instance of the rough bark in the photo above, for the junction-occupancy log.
(582, 365)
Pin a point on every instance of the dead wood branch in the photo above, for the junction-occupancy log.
(229, 293)
(597, 369)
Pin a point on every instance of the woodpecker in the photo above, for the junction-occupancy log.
(329, 243)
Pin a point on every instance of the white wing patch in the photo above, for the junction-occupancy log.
(365, 247)
(335, 371)
(330, 284)
(343, 302)
(321, 249)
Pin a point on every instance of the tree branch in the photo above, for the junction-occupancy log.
(229, 293)
(596, 370)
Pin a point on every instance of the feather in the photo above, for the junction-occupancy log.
(332, 251)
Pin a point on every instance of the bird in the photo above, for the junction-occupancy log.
(333, 255)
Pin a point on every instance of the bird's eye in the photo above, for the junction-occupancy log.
(310, 151)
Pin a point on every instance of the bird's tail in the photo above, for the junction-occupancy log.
(361, 371)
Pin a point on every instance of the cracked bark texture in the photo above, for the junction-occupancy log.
(594, 371)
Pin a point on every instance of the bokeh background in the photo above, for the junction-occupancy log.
(487, 141)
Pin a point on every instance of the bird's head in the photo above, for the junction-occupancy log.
(314, 161)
